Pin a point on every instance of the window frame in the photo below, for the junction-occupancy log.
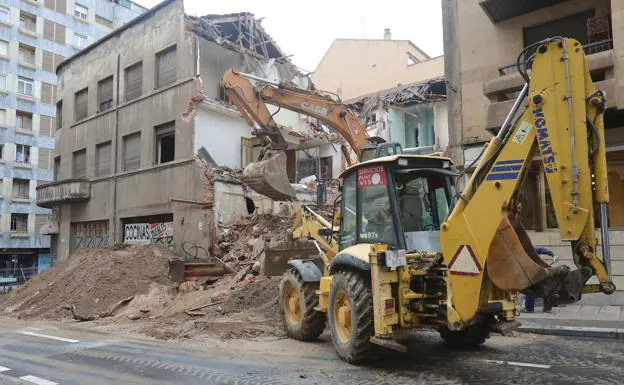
(125, 140)
(25, 47)
(14, 218)
(78, 13)
(23, 16)
(78, 93)
(127, 70)
(4, 43)
(22, 182)
(19, 116)
(25, 82)
(24, 147)
(98, 149)
(108, 103)
(75, 155)
(162, 131)
(7, 11)
(77, 38)
(158, 55)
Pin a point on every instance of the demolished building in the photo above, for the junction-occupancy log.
(414, 115)
(145, 139)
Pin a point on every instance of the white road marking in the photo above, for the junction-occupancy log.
(3, 369)
(524, 364)
(48, 336)
(37, 380)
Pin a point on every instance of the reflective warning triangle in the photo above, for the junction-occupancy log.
(464, 262)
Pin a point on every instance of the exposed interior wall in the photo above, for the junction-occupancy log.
(219, 131)
(441, 125)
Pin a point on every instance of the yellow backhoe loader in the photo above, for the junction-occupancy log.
(405, 250)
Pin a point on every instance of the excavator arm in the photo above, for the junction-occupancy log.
(484, 244)
(250, 95)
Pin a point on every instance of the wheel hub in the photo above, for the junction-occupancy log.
(342, 317)
(292, 305)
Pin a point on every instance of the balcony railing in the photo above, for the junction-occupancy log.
(61, 192)
(599, 46)
(16, 276)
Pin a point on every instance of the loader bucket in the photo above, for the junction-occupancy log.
(512, 262)
(269, 178)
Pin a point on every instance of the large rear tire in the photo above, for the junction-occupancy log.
(297, 302)
(468, 338)
(350, 315)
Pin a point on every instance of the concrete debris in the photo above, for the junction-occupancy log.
(188, 286)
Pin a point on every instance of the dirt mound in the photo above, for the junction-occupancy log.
(259, 297)
(92, 280)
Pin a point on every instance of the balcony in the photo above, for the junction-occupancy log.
(61, 192)
(502, 91)
(501, 10)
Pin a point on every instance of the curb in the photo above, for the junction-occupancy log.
(573, 331)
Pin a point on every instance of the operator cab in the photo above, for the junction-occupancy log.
(399, 200)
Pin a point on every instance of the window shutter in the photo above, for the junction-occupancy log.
(44, 158)
(134, 81)
(58, 59)
(80, 164)
(105, 93)
(45, 127)
(61, 6)
(81, 106)
(48, 61)
(49, 4)
(104, 159)
(59, 35)
(48, 29)
(40, 220)
(167, 67)
(132, 152)
(47, 93)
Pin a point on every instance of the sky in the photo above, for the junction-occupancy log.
(306, 29)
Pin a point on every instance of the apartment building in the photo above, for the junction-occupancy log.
(482, 40)
(144, 131)
(35, 37)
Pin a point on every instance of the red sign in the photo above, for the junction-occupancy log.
(372, 176)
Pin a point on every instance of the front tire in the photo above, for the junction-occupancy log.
(350, 314)
(297, 302)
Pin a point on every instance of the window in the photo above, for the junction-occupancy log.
(103, 155)
(4, 14)
(376, 223)
(132, 152)
(572, 26)
(79, 41)
(411, 59)
(1, 152)
(57, 167)
(47, 93)
(27, 55)
(81, 104)
(53, 31)
(21, 188)
(166, 67)
(25, 86)
(165, 142)
(2, 119)
(80, 11)
(104, 21)
(28, 22)
(80, 164)
(59, 115)
(4, 48)
(23, 120)
(44, 158)
(19, 223)
(105, 94)
(348, 219)
(22, 153)
(134, 81)
(3, 82)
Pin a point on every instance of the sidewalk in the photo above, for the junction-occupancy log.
(576, 320)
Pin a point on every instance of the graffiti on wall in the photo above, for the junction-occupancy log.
(146, 233)
(89, 234)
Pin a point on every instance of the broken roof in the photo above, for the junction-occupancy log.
(430, 90)
(234, 30)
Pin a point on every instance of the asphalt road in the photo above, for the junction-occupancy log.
(58, 355)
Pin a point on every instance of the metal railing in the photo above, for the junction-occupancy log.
(16, 276)
(595, 47)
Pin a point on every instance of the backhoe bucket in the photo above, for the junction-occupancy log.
(269, 178)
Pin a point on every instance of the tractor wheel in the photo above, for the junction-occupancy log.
(297, 302)
(350, 313)
(468, 338)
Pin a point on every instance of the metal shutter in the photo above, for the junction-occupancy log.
(104, 159)
(166, 64)
(105, 93)
(61, 6)
(48, 61)
(80, 164)
(44, 158)
(81, 104)
(59, 34)
(134, 81)
(49, 4)
(47, 93)
(132, 152)
(48, 29)
(45, 125)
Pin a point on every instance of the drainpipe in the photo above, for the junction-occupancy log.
(116, 152)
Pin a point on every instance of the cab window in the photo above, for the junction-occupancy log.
(376, 221)
(348, 222)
